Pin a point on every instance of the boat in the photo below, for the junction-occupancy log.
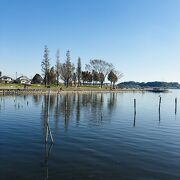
(158, 90)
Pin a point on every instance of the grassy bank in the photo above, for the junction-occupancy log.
(18, 89)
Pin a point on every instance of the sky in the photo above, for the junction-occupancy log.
(141, 38)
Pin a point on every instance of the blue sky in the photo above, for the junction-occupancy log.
(140, 37)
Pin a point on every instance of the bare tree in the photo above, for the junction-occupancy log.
(101, 67)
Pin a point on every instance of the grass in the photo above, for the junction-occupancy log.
(53, 86)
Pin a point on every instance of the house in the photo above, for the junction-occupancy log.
(23, 80)
(6, 79)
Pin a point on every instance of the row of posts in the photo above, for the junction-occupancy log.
(159, 107)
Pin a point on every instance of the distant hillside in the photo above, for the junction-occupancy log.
(132, 84)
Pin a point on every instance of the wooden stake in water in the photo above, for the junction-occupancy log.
(134, 112)
(175, 105)
(159, 103)
(159, 108)
(134, 106)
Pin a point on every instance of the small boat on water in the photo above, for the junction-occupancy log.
(158, 90)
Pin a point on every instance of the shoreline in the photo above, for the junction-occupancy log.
(18, 91)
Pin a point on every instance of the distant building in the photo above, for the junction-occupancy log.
(23, 80)
(6, 79)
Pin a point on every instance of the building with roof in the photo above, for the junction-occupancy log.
(23, 80)
(6, 79)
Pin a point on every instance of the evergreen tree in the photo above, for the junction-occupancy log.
(67, 70)
(52, 76)
(58, 67)
(79, 72)
(114, 76)
(45, 64)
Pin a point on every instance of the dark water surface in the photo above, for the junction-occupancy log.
(96, 136)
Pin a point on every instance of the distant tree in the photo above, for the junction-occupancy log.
(0, 73)
(74, 78)
(101, 78)
(99, 66)
(37, 79)
(95, 76)
(45, 64)
(57, 67)
(83, 75)
(79, 72)
(114, 76)
(52, 76)
(67, 70)
(110, 77)
(86, 77)
(89, 77)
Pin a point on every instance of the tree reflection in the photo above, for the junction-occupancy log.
(112, 102)
(37, 99)
(47, 131)
(46, 159)
(68, 107)
(78, 110)
(57, 111)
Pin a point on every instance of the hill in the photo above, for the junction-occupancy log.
(158, 84)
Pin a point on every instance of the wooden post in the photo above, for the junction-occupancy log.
(159, 108)
(159, 103)
(134, 106)
(175, 105)
(134, 113)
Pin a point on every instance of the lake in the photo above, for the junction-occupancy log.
(96, 136)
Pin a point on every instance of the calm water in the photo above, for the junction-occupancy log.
(96, 136)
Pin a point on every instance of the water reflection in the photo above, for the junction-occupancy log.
(134, 124)
(48, 148)
(37, 99)
(78, 111)
(69, 107)
(112, 102)
(45, 116)
(48, 139)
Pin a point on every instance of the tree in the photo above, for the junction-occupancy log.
(37, 79)
(67, 69)
(89, 77)
(58, 67)
(74, 78)
(79, 72)
(95, 76)
(45, 64)
(114, 76)
(52, 76)
(110, 77)
(86, 76)
(101, 78)
(99, 66)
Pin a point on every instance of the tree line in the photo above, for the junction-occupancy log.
(95, 72)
